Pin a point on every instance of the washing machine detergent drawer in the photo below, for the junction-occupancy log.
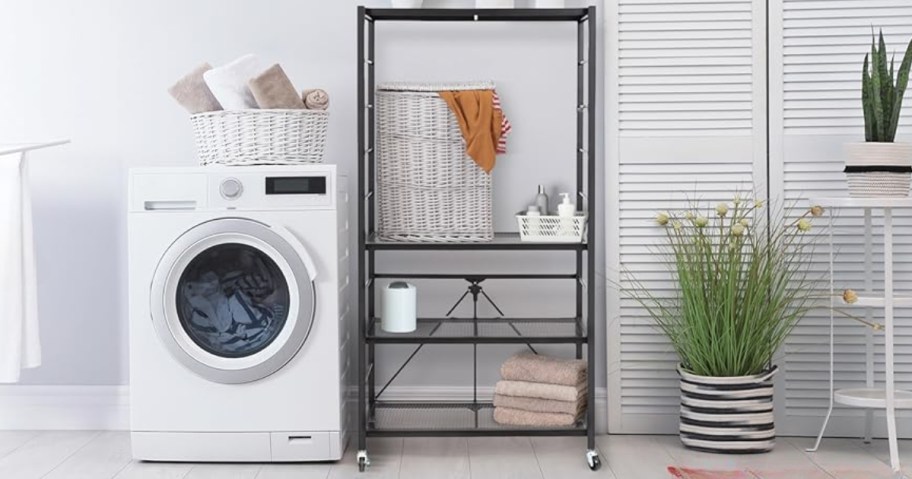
(237, 447)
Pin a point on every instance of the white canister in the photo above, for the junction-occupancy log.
(494, 3)
(406, 3)
(400, 308)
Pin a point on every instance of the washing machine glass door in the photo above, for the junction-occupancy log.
(233, 299)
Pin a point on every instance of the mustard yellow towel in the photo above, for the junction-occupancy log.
(479, 122)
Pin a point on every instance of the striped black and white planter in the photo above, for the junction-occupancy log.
(728, 414)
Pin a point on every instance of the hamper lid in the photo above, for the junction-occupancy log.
(436, 86)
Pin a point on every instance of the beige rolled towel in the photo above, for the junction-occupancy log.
(517, 417)
(192, 92)
(315, 99)
(543, 369)
(273, 89)
(540, 405)
(541, 390)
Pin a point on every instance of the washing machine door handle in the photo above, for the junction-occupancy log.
(298, 246)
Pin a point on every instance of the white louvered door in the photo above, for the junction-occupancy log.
(686, 89)
(816, 51)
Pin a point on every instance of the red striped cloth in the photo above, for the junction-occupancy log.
(505, 126)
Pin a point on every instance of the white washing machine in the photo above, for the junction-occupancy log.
(239, 313)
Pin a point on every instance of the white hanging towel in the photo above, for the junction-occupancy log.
(19, 343)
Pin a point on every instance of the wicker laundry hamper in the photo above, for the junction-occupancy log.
(260, 137)
(429, 190)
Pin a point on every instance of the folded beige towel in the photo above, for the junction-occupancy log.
(192, 92)
(540, 405)
(517, 417)
(541, 390)
(543, 369)
(273, 89)
(315, 99)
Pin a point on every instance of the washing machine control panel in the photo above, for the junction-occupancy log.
(242, 190)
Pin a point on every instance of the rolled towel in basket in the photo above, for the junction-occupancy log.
(229, 82)
(315, 99)
(518, 417)
(192, 92)
(540, 405)
(543, 369)
(273, 89)
(540, 390)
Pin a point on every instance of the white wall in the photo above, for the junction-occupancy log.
(96, 71)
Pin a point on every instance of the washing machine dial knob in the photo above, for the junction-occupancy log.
(231, 189)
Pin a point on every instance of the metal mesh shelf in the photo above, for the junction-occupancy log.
(450, 418)
(500, 331)
(501, 241)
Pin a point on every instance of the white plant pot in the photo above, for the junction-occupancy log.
(549, 3)
(876, 169)
(727, 414)
(406, 3)
(494, 3)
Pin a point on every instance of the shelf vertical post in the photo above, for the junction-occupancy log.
(888, 338)
(869, 332)
(371, 109)
(592, 196)
(362, 277)
(580, 186)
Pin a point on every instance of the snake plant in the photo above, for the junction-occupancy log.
(881, 96)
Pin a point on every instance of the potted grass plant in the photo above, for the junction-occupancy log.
(743, 282)
(880, 166)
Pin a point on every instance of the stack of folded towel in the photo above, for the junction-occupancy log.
(540, 391)
(245, 83)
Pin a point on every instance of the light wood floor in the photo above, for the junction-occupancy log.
(104, 455)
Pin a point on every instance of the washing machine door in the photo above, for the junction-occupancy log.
(233, 299)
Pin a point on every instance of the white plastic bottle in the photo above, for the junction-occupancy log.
(566, 211)
(566, 208)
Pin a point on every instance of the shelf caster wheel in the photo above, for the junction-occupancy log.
(363, 461)
(592, 458)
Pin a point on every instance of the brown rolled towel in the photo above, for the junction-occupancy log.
(315, 99)
(273, 89)
(540, 405)
(517, 417)
(543, 369)
(541, 390)
(192, 92)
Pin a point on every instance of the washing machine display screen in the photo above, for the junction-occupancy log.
(232, 300)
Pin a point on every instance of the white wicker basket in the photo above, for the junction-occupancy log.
(260, 137)
(874, 184)
(552, 229)
(429, 190)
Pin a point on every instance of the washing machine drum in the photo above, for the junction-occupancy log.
(233, 299)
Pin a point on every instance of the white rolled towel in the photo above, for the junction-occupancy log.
(228, 83)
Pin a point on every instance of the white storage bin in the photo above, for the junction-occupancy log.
(552, 229)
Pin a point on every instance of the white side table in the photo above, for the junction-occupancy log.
(870, 397)
(19, 342)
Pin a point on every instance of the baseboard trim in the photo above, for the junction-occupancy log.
(107, 408)
(64, 407)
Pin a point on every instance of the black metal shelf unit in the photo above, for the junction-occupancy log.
(378, 417)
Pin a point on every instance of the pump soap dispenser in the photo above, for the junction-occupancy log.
(566, 208)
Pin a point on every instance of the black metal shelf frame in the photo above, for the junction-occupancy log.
(378, 417)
